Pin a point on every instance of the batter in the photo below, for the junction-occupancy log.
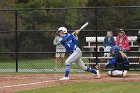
(70, 41)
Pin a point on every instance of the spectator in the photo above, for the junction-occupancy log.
(108, 43)
(138, 40)
(60, 51)
(122, 41)
(119, 62)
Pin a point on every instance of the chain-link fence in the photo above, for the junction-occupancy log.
(26, 35)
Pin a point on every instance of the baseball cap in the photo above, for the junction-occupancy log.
(121, 31)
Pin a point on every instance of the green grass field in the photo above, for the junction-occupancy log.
(30, 64)
(115, 87)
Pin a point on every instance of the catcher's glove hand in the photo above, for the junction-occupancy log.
(97, 66)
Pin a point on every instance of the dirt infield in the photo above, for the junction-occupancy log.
(26, 82)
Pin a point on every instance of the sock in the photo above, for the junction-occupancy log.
(67, 71)
(91, 70)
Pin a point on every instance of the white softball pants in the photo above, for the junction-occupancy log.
(107, 49)
(117, 73)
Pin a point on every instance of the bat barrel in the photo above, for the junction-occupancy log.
(84, 26)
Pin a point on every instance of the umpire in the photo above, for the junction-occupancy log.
(138, 39)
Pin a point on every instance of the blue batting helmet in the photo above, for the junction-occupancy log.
(114, 50)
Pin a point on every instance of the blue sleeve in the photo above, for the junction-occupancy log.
(75, 40)
(112, 62)
(66, 38)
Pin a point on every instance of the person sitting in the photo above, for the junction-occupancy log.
(108, 43)
(122, 41)
(119, 63)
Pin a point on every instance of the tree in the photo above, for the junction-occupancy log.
(69, 17)
(110, 18)
(31, 19)
(113, 2)
(22, 1)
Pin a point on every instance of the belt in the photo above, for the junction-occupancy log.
(75, 47)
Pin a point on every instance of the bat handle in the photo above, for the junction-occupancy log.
(76, 32)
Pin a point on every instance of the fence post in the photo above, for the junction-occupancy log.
(16, 40)
(96, 29)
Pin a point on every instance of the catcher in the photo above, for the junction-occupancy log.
(119, 62)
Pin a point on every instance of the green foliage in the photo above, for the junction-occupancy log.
(22, 1)
(65, 3)
(113, 2)
(111, 18)
(71, 17)
(31, 19)
(31, 4)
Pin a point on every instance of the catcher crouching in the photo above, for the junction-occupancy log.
(119, 62)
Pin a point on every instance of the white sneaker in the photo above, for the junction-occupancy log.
(98, 74)
(64, 78)
(124, 73)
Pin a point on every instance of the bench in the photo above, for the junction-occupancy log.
(89, 40)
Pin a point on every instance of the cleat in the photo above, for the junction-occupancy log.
(98, 74)
(64, 78)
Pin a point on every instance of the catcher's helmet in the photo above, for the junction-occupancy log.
(114, 50)
(63, 29)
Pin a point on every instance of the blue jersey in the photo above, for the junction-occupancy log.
(69, 42)
(119, 62)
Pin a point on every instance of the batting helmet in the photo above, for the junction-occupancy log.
(114, 50)
(63, 29)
